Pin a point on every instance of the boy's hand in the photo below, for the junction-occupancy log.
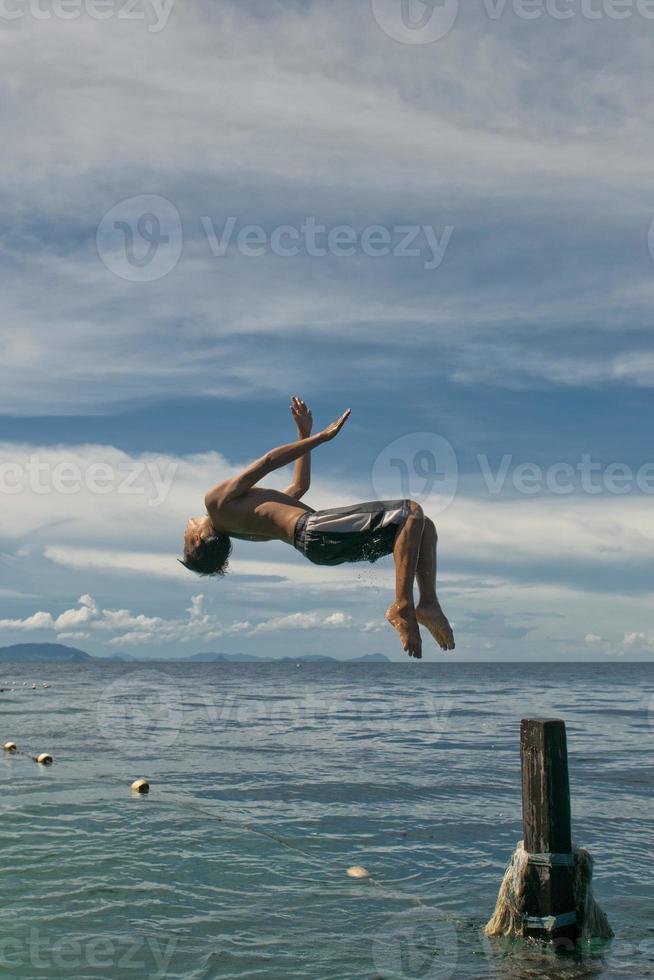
(332, 430)
(303, 417)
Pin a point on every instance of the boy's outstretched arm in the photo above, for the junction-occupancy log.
(274, 460)
(302, 471)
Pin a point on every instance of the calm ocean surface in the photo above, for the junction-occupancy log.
(268, 781)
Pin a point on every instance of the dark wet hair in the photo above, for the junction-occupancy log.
(209, 557)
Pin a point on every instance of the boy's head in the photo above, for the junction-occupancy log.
(206, 551)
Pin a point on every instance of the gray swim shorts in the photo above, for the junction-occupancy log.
(361, 532)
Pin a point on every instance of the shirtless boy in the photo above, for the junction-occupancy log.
(239, 508)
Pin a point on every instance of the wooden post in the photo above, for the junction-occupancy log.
(549, 897)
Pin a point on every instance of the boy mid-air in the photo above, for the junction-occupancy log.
(238, 508)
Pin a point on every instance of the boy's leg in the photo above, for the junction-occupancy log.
(428, 610)
(402, 614)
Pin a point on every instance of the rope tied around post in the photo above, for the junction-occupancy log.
(552, 860)
(546, 891)
(511, 919)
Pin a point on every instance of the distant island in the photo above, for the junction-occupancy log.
(210, 658)
(21, 653)
(48, 652)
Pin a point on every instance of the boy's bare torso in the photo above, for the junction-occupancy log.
(266, 514)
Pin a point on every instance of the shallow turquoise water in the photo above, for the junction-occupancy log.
(268, 781)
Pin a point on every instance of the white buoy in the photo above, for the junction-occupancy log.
(44, 759)
(358, 872)
(141, 786)
(10, 747)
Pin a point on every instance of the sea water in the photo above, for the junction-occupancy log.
(269, 781)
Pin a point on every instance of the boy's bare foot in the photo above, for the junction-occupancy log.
(403, 619)
(432, 616)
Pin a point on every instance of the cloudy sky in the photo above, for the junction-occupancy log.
(437, 215)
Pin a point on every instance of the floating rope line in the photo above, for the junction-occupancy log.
(356, 872)
(244, 825)
(44, 758)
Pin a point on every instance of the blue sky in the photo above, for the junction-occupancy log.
(529, 341)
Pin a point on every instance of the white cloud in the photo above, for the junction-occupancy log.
(638, 643)
(281, 111)
(603, 530)
(77, 617)
(118, 538)
(119, 530)
(633, 644)
(310, 108)
(293, 70)
(137, 629)
(305, 621)
(148, 563)
(37, 621)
